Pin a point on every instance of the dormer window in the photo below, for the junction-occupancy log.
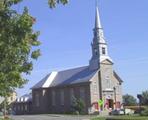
(103, 51)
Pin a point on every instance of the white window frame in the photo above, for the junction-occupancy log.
(103, 51)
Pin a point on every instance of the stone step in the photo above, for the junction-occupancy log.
(104, 113)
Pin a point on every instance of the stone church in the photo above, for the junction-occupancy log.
(92, 83)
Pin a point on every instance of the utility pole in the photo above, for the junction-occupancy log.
(100, 88)
(115, 96)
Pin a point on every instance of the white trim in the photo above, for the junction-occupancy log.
(102, 58)
(25, 99)
(50, 79)
(108, 89)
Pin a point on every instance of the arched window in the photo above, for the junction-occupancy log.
(103, 51)
(108, 83)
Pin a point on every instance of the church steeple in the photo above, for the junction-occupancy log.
(99, 46)
(97, 19)
(98, 30)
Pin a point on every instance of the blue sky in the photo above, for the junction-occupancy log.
(66, 34)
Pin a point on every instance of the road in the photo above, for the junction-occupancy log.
(50, 117)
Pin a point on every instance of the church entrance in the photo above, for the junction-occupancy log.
(111, 103)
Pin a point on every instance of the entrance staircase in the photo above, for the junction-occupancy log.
(104, 113)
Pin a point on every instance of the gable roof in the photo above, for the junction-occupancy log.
(66, 77)
(108, 60)
(103, 58)
(117, 77)
(24, 98)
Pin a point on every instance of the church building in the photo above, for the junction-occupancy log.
(95, 83)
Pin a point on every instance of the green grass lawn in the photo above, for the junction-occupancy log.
(122, 118)
(98, 118)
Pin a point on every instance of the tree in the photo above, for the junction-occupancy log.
(78, 105)
(17, 39)
(52, 3)
(144, 112)
(129, 100)
(3, 104)
(145, 98)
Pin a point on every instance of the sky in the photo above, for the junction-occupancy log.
(66, 34)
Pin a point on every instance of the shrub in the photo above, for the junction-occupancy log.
(78, 106)
(122, 118)
(144, 112)
(129, 100)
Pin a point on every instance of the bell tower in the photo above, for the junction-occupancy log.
(99, 45)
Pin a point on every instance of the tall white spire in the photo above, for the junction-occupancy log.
(99, 46)
(98, 30)
(97, 19)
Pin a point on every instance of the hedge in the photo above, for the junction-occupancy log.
(123, 118)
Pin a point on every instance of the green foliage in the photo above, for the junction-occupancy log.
(144, 112)
(122, 118)
(17, 39)
(78, 106)
(99, 118)
(52, 3)
(145, 98)
(4, 4)
(7, 105)
(129, 100)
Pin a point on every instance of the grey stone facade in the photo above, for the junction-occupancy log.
(46, 98)
(91, 93)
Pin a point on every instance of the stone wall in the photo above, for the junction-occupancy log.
(46, 105)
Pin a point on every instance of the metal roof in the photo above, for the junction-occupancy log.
(117, 77)
(67, 77)
(24, 98)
